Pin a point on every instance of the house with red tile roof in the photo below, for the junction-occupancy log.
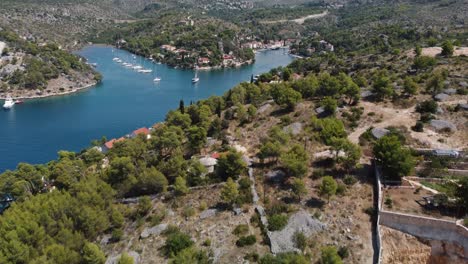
(203, 60)
(110, 144)
(143, 131)
(215, 155)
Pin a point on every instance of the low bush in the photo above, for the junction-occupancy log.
(241, 230)
(246, 241)
(349, 180)
(277, 222)
(177, 242)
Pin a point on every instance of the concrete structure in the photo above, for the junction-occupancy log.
(449, 239)
(448, 234)
(209, 163)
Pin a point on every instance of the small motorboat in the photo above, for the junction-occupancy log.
(157, 79)
(19, 101)
(145, 71)
(9, 103)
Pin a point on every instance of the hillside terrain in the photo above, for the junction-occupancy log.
(277, 170)
(29, 69)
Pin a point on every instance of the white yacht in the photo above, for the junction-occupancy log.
(115, 59)
(145, 71)
(137, 67)
(157, 79)
(9, 103)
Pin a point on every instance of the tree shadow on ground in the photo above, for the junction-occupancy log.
(280, 112)
(315, 203)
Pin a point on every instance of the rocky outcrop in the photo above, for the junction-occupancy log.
(441, 125)
(303, 222)
(153, 231)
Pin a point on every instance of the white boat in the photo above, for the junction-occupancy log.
(145, 71)
(157, 79)
(138, 67)
(128, 65)
(115, 59)
(195, 79)
(9, 103)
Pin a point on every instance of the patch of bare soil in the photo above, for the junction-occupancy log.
(399, 248)
(381, 116)
(434, 51)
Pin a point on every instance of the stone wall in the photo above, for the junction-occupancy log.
(427, 228)
(378, 232)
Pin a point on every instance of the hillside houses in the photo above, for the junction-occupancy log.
(110, 144)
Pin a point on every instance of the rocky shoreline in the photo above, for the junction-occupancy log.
(52, 94)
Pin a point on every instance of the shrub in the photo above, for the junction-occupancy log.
(241, 230)
(255, 220)
(349, 180)
(330, 256)
(144, 205)
(341, 189)
(246, 241)
(278, 208)
(171, 229)
(202, 206)
(300, 240)
(252, 257)
(284, 258)
(389, 202)
(370, 211)
(419, 127)
(188, 211)
(125, 259)
(343, 251)
(277, 222)
(428, 106)
(177, 242)
(117, 235)
(207, 243)
(285, 120)
(426, 117)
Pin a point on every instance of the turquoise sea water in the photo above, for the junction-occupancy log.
(125, 100)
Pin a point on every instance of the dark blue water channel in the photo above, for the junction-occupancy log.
(125, 100)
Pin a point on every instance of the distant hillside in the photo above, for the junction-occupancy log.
(65, 20)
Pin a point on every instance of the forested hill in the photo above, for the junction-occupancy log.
(27, 68)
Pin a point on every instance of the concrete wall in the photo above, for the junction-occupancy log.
(427, 228)
(378, 254)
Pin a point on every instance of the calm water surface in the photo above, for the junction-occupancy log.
(34, 131)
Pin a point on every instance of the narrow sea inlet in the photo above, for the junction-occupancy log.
(33, 132)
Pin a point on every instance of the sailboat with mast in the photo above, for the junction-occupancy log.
(156, 79)
(196, 79)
